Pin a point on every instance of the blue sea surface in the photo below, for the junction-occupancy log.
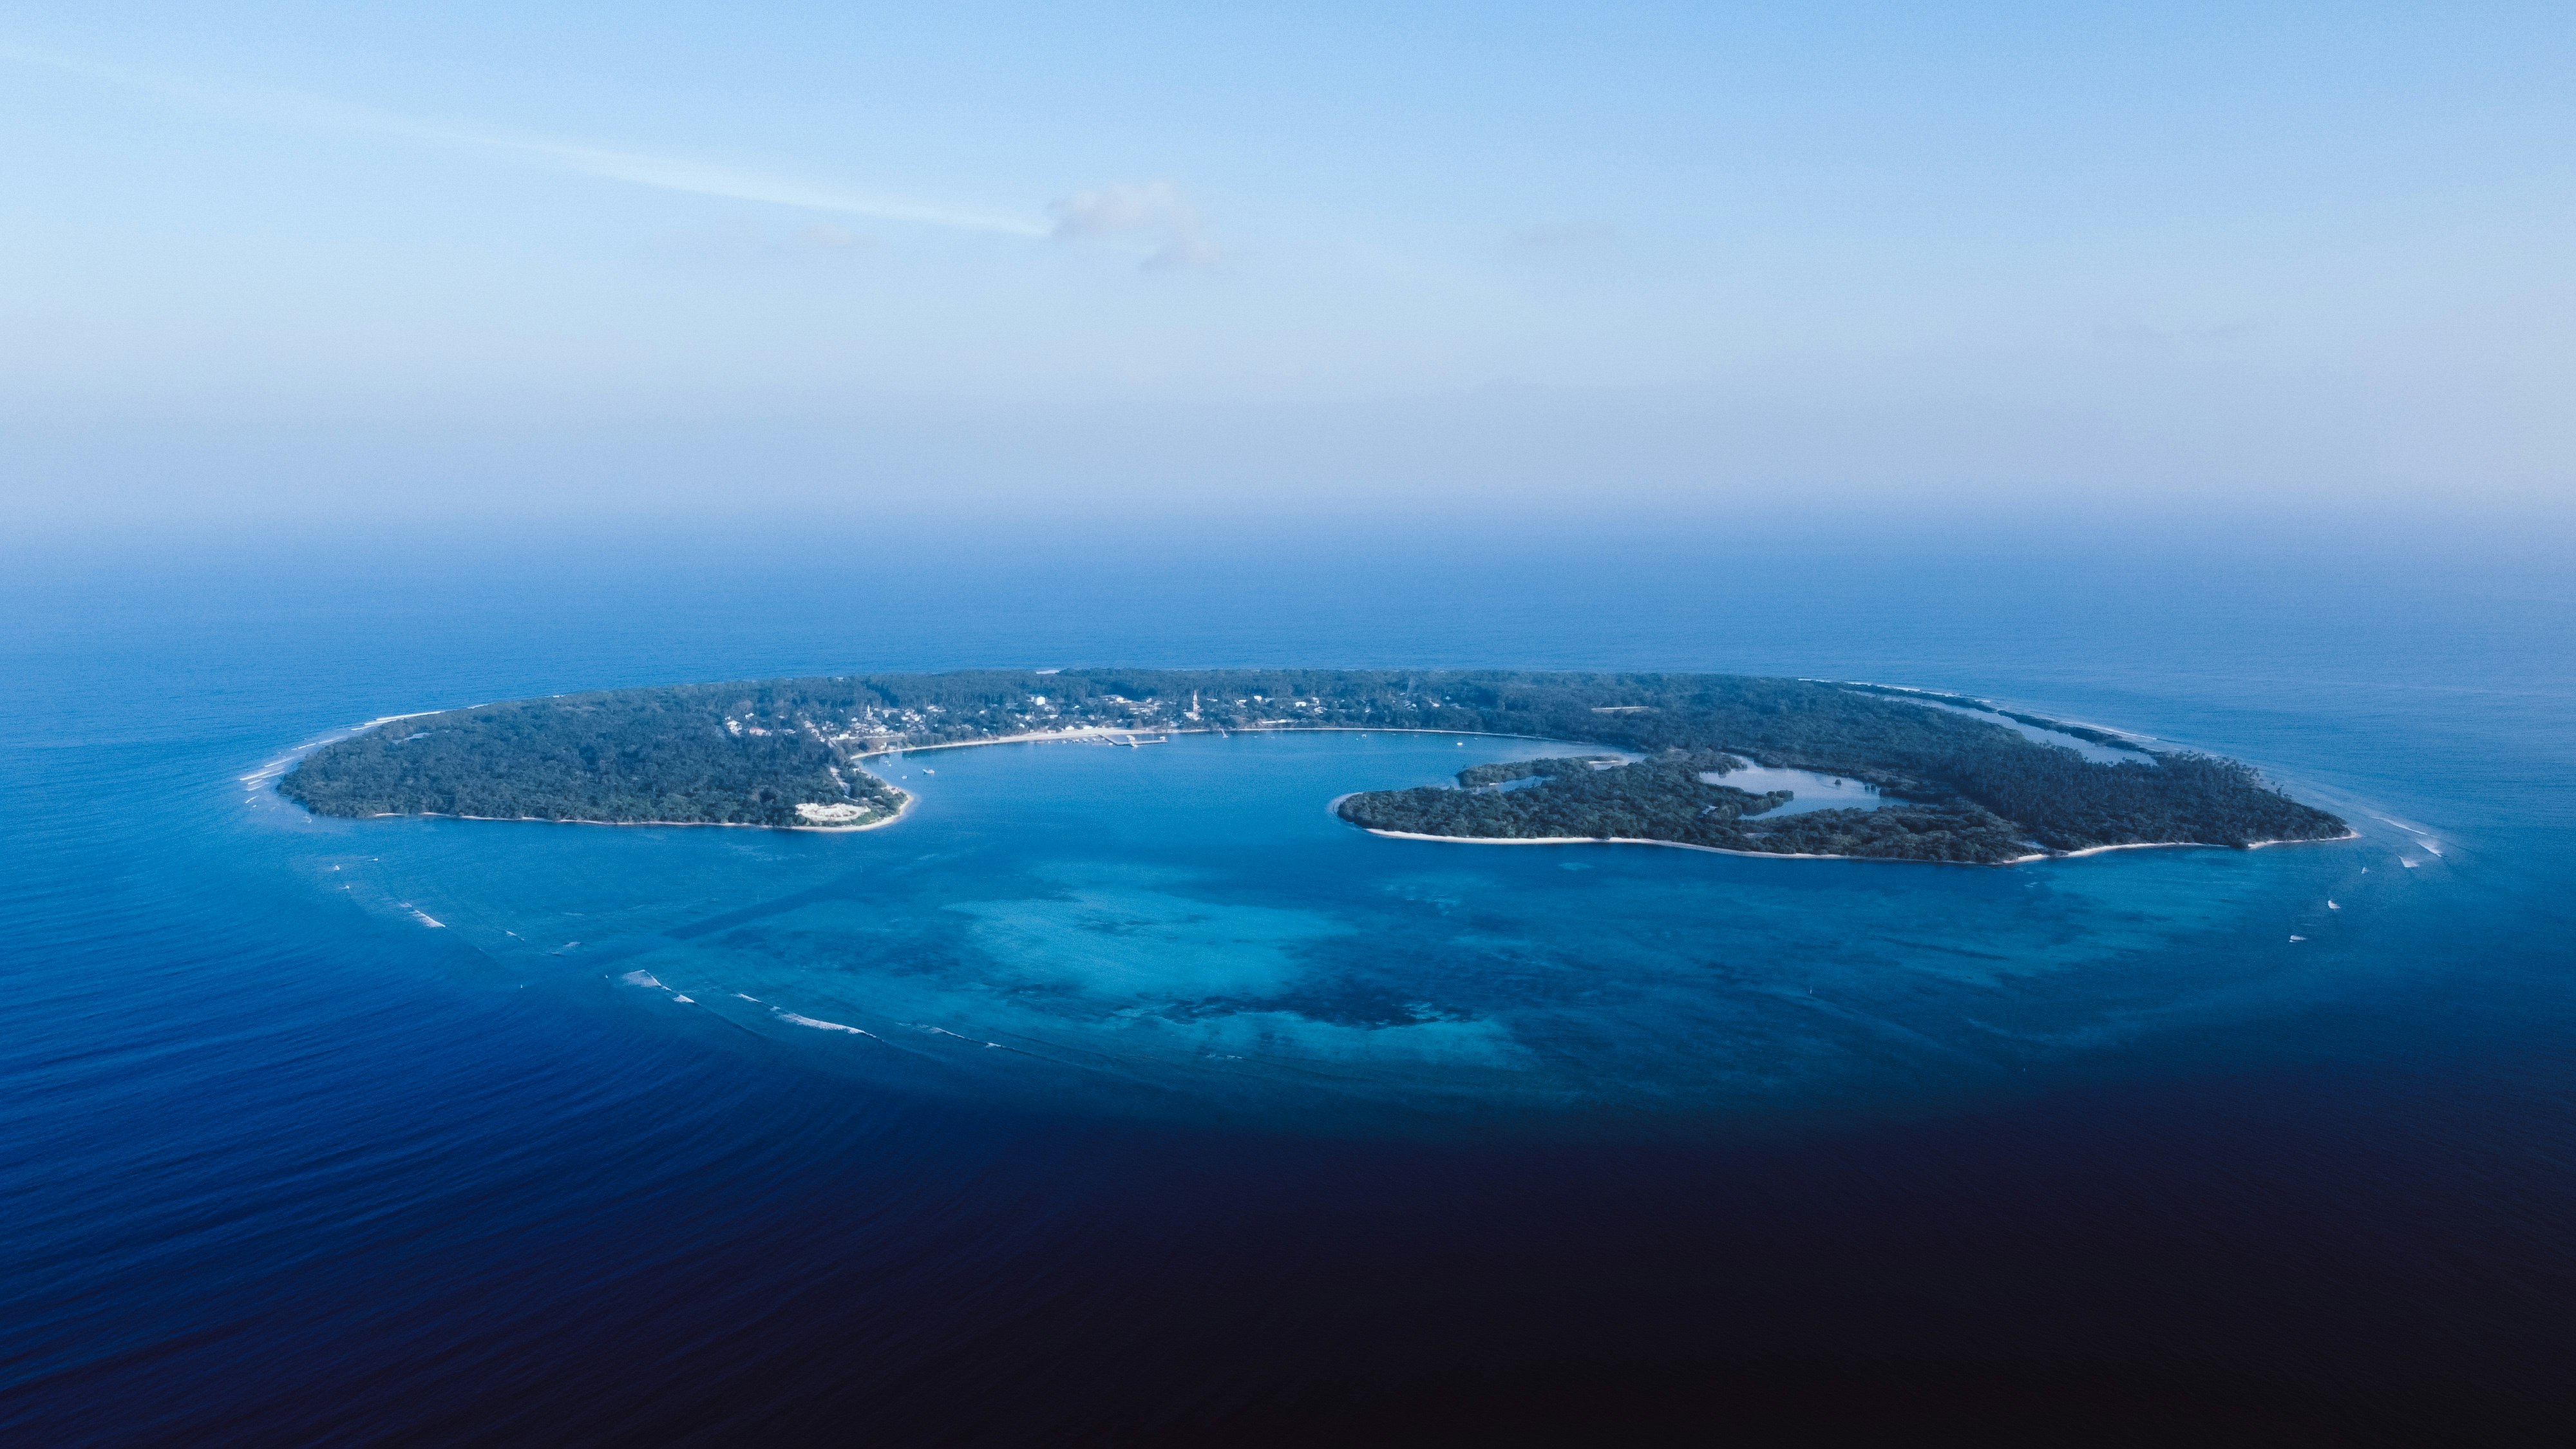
(1119, 1093)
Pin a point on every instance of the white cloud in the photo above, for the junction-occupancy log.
(1152, 213)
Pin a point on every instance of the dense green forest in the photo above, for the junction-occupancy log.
(1509, 770)
(1667, 797)
(1964, 789)
(627, 757)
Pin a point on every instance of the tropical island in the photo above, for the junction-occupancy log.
(1949, 778)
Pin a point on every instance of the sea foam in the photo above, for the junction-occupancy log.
(824, 1025)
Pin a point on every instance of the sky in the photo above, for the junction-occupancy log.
(332, 262)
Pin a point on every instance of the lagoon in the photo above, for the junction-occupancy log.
(1810, 790)
(1187, 932)
(2100, 754)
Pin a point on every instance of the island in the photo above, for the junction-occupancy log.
(1951, 778)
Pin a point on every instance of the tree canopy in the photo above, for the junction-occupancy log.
(1963, 788)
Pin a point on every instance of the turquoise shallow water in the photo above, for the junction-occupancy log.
(1185, 931)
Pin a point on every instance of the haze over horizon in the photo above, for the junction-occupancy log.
(287, 262)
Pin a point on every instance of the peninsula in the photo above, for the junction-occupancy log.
(1953, 778)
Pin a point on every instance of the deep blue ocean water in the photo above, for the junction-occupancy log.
(1148, 1100)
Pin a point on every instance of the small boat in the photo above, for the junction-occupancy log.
(2332, 906)
(2298, 938)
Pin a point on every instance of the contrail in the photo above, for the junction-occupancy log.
(699, 179)
(663, 173)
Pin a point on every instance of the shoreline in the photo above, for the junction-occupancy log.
(276, 769)
(2195, 845)
(2141, 745)
(1334, 810)
(900, 811)
(1667, 844)
(1091, 733)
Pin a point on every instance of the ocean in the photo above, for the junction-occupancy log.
(1126, 1096)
